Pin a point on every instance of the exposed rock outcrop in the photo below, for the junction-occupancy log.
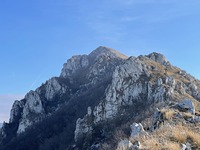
(3, 129)
(137, 130)
(111, 86)
(186, 146)
(158, 119)
(74, 64)
(53, 87)
(134, 81)
(16, 111)
(157, 57)
(96, 67)
(187, 106)
(119, 93)
(124, 145)
(32, 107)
(83, 126)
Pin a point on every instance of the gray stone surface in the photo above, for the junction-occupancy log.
(124, 145)
(187, 105)
(137, 130)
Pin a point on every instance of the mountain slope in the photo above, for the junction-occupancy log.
(79, 76)
(94, 96)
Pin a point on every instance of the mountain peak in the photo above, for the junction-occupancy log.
(157, 57)
(102, 50)
(101, 91)
(83, 61)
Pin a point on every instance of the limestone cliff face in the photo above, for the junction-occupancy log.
(35, 104)
(132, 82)
(123, 89)
(99, 64)
(74, 64)
(16, 111)
(122, 82)
(78, 74)
(96, 60)
(145, 79)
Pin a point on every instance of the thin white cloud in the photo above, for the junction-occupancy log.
(105, 28)
(6, 102)
(130, 18)
(37, 80)
(113, 21)
(34, 82)
(130, 3)
(135, 2)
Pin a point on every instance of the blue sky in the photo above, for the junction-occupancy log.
(37, 37)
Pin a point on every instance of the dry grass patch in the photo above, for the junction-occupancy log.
(151, 143)
(178, 134)
(171, 146)
(182, 134)
(187, 115)
(155, 143)
(170, 138)
(194, 137)
(168, 113)
(196, 104)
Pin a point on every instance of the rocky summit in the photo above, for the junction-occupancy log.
(108, 101)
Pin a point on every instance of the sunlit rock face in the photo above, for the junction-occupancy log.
(131, 82)
(96, 66)
(144, 79)
(96, 61)
(123, 82)
(53, 87)
(32, 107)
(74, 64)
(137, 130)
(159, 58)
(120, 92)
(77, 75)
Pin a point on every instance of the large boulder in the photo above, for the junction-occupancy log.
(157, 57)
(187, 106)
(137, 130)
(124, 145)
(158, 119)
(186, 146)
